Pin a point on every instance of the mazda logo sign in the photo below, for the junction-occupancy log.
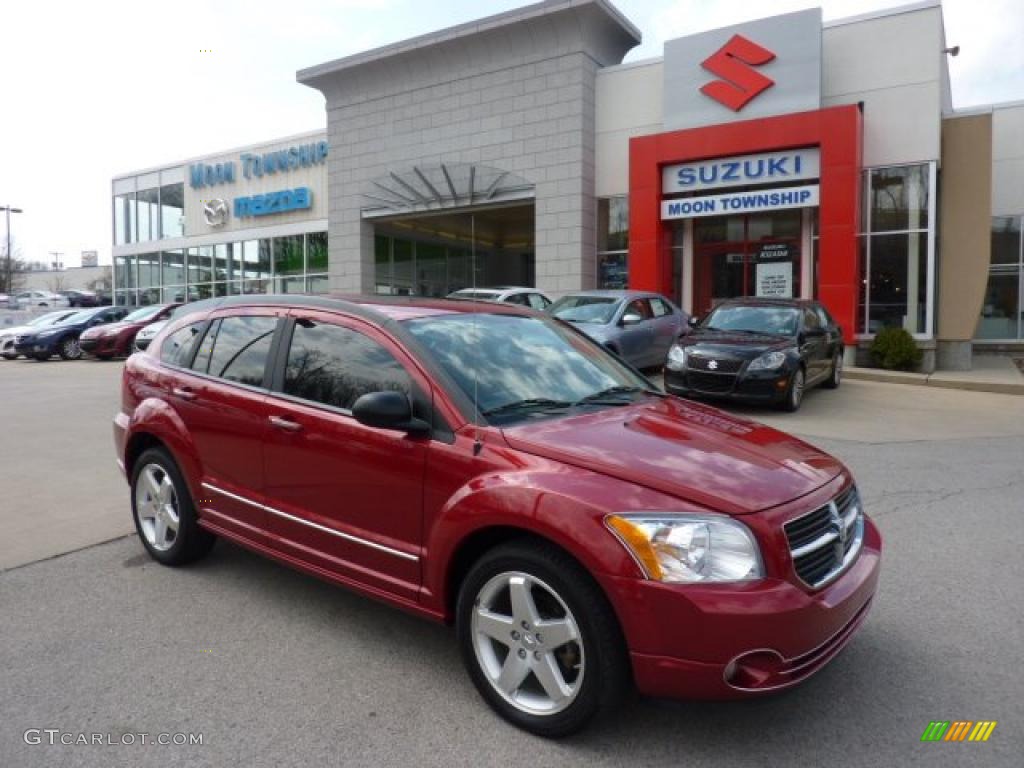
(215, 212)
(713, 365)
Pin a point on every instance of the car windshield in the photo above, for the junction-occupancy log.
(522, 367)
(779, 321)
(585, 309)
(143, 314)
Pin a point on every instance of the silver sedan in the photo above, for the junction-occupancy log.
(638, 326)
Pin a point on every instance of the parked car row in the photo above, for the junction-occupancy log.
(103, 332)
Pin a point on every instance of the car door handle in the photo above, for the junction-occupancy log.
(286, 424)
(185, 393)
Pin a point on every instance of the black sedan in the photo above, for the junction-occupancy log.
(62, 338)
(758, 350)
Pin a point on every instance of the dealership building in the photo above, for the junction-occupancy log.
(779, 157)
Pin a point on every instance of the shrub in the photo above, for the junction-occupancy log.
(895, 349)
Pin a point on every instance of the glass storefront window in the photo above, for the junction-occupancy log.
(382, 264)
(317, 284)
(612, 242)
(148, 212)
(124, 219)
(199, 261)
(149, 278)
(316, 252)
(173, 270)
(1002, 316)
(401, 267)
(172, 210)
(288, 255)
(430, 270)
(899, 282)
(899, 198)
(895, 267)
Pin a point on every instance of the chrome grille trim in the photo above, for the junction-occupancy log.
(837, 529)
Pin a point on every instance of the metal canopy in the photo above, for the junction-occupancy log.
(441, 187)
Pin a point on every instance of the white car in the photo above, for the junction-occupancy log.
(523, 297)
(27, 299)
(147, 334)
(7, 334)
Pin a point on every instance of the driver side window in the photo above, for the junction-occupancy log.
(638, 307)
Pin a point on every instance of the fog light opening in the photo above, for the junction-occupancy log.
(754, 669)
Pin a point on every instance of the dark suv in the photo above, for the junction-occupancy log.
(495, 468)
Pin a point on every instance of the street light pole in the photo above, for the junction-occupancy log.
(10, 272)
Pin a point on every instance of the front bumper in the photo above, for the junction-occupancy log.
(769, 387)
(100, 346)
(32, 347)
(730, 641)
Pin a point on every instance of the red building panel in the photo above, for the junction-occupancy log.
(836, 131)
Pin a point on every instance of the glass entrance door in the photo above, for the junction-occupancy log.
(746, 255)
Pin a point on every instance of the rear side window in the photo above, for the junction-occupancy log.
(177, 348)
(335, 366)
(660, 308)
(516, 298)
(238, 349)
(537, 301)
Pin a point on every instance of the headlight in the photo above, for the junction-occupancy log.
(676, 358)
(689, 548)
(768, 362)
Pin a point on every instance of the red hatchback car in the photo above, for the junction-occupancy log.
(494, 468)
(115, 339)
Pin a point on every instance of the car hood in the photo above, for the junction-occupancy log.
(731, 344)
(693, 452)
(15, 330)
(109, 329)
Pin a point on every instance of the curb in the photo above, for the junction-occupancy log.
(929, 380)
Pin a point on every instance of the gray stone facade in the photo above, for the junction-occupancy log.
(514, 91)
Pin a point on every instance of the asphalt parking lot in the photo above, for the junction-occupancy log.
(276, 668)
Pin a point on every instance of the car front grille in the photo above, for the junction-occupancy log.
(714, 364)
(712, 383)
(823, 543)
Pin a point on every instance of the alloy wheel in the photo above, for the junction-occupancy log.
(527, 643)
(70, 349)
(837, 369)
(156, 502)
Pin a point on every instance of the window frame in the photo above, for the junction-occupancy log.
(867, 233)
(422, 395)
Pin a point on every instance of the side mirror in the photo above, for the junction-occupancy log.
(388, 410)
(631, 318)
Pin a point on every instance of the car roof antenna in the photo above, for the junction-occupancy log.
(477, 444)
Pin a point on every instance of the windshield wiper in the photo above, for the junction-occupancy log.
(600, 397)
(527, 404)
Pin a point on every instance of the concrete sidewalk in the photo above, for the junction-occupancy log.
(990, 373)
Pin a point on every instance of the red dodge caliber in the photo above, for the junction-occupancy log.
(494, 468)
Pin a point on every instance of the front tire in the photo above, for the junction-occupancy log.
(836, 377)
(70, 349)
(795, 393)
(539, 639)
(164, 514)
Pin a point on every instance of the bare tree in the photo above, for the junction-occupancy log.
(17, 267)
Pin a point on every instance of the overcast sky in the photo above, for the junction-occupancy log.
(90, 90)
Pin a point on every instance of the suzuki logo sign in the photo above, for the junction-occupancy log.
(734, 63)
(747, 71)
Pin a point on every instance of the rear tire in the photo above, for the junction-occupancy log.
(165, 517)
(8, 356)
(836, 377)
(539, 639)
